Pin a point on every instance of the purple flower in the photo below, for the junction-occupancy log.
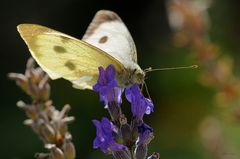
(107, 86)
(104, 136)
(139, 104)
(145, 134)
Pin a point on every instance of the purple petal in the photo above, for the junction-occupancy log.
(107, 86)
(145, 132)
(139, 104)
(101, 78)
(110, 72)
(104, 136)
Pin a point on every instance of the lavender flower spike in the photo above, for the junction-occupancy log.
(107, 86)
(104, 136)
(139, 104)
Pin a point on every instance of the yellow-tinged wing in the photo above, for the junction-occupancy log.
(63, 56)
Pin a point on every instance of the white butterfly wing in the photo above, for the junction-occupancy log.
(108, 32)
(63, 56)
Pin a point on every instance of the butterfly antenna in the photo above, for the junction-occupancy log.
(170, 68)
(142, 87)
(149, 97)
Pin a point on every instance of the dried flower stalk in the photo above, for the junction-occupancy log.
(46, 121)
(190, 22)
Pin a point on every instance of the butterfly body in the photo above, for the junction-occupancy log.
(133, 74)
(106, 41)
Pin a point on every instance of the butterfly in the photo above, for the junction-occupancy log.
(106, 41)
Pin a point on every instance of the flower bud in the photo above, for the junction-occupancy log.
(155, 155)
(20, 79)
(48, 133)
(69, 150)
(69, 119)
(41, 155)
(141, 151)
(28, 122)
(134, 126)
(121, 154)
(125, 130)
(62, 128)
(36, 126)
(30, 64)
(44, 88)
(66, 108)
(114, 110)
(56, 153)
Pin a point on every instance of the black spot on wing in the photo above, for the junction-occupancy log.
(70, 65)
(103, 39)
(59, 49)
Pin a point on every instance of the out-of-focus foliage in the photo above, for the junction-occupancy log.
(190, 120)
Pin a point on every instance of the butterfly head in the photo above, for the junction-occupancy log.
(131, 75)
(137, 76)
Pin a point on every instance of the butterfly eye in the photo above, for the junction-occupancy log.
(134, 71)
(139, 75)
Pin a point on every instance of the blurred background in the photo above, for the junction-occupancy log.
(196, 111)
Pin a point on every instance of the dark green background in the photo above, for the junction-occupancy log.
(180, 101)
